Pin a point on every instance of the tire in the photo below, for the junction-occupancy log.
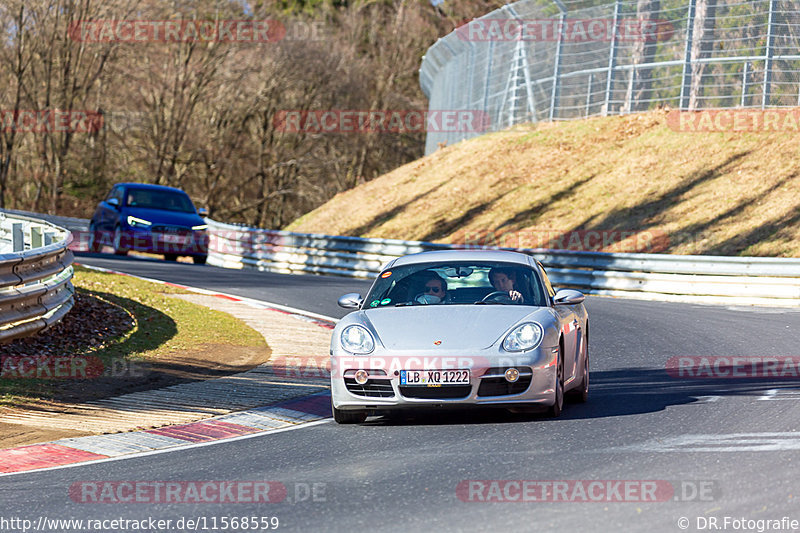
(171, 257)
(117, 244)
(95, 243)
(554, 410)
(199, 259)
(581, 393)
(348, 417)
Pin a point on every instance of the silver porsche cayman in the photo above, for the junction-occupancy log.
(459, 328)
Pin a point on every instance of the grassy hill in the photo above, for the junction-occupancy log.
(625, 183)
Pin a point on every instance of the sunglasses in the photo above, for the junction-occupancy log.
(433, 289)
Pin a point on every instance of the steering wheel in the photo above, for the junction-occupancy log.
(496, 295)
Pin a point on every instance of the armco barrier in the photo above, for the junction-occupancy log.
(699, 279)
(35, 275)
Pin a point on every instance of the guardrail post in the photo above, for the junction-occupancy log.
(612, 60)
(17, 237)
(765, 93)
(36, 237)
(687, 57)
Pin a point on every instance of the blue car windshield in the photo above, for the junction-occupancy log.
(159, 199)
(457, 283)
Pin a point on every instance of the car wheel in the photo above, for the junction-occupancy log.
(200, 259)
(117, 244)
(348, 417)
(95, 243)
(581, 393)
(558, 405)
(171, 257)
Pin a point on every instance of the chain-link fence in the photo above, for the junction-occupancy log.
(539, 60)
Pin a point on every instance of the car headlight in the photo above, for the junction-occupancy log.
(356, 339)
(526, 336)
(200, 227)
(138, 222)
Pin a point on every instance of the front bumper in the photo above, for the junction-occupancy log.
(487, 386)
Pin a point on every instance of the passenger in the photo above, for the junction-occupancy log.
(434, 291)
(505, 280)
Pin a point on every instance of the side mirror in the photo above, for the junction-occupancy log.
(351, 300)
(568, 297)
(203, 212)
(114, 202)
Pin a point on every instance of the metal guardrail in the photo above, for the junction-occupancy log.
(698, 279)
(35, 275)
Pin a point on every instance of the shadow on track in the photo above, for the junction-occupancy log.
(612, 393)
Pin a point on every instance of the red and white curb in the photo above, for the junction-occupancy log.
(69, 452)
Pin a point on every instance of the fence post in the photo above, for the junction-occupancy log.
(687, 58)
(765, 93)
(612, 59)
(628, 105)
(557, 62)
(487, 78)
(589, 93)
(17, 237)
(744, 83)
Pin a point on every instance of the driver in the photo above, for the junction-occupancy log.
(505, 280)
(434, 290)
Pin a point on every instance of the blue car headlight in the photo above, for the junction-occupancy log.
(526, 336)
(138, 222)
(357, 340)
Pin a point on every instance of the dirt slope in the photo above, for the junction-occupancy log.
(614, 184)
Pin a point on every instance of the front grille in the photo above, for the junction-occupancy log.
(373, 388)
(180, 230)
(435, 393)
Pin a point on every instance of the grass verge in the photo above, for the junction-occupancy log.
(174, 340)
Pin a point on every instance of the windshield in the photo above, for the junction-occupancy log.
(456, 283)
(159, 199)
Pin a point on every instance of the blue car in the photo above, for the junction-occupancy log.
(150, 218)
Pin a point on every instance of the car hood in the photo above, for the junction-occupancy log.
(160, 216)
(458, 327)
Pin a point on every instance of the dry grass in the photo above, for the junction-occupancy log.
(685, 193)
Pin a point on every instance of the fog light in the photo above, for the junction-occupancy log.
(512, 375)
(361, 376)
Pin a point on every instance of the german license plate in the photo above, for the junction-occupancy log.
(434, 378)
(172, 239)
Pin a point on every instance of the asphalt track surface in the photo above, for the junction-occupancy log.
(727, 447)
